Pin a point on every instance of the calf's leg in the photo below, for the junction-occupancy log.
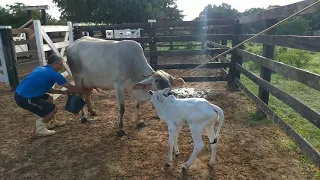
(213, 143)
(176, 148)
(198, 145)
(172, 132)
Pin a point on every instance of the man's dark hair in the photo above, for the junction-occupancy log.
(53, 59)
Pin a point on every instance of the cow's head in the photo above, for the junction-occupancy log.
(159, 80)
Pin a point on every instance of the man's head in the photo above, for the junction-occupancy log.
(55, 61)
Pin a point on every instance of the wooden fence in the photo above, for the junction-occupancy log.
(154, 36)
(268, 65)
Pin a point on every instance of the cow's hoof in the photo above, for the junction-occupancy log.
(121, 133)
(84, 119)
(140, 125)
(185, 167)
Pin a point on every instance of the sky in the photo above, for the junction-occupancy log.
(191, 11)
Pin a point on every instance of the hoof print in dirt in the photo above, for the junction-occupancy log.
(121, 133)
(140, 125)
(84, 119)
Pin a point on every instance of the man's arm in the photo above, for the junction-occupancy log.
(57, 91)
(74, 89)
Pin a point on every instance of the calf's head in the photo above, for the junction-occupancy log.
(158, 96)
(159, 80)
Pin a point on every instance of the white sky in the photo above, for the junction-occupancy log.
(191, 11)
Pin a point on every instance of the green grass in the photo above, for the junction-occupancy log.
(307, 95)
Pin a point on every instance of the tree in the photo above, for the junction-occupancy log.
(120, 11)
(222, 11)
(15, 16)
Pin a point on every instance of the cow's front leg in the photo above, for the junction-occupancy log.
(89, 104)
(120, 101)
(140, 124)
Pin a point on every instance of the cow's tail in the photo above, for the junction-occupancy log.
(221, 118)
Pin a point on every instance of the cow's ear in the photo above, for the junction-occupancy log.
(177, 82)
(145, 84)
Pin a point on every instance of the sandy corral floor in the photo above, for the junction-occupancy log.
(94, 151)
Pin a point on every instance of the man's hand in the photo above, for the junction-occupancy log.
(87, 91)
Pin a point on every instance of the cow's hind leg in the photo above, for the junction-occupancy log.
(84, 117)
(89, 104)
(121, 109)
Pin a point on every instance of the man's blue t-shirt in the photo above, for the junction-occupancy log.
(39, 82)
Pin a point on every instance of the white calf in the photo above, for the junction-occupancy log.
(198, 113)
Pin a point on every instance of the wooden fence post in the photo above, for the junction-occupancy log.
(265, 73)
(235, 58)
(153, 46)
(171, 42)
(9, 55)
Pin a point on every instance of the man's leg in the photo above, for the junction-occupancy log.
(53, 122)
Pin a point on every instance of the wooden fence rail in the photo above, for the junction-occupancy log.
(309, 43)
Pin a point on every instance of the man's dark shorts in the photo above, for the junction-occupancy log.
(36, 105)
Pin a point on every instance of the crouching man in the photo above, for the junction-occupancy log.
(31, 94)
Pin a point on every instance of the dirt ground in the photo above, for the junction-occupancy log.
(94, 151)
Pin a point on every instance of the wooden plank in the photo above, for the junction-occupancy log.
(268, 52)
(50, 28)
(26, 24)
(114, 26)
(305, 111)
(5, 77)
(205, 78)
(23, 30)
(205, 37)
(190, 66)
(9, 55)
(304, 145)
(300, 75)
(185, 52)
(55, 50)
(197, 23)
(27, 53)
(309, 43)
(58, 45)
(281, 12)
(22, 42)
(213, 44)
(66, 37)
(39, 42)
(134, 39)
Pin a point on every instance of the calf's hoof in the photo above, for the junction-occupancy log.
(211, 164)
(84, 119)
(140, 125)
(155, 117)
(168, 164)
(121, 133)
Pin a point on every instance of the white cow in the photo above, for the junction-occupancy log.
(119, 65)
(198, 113)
